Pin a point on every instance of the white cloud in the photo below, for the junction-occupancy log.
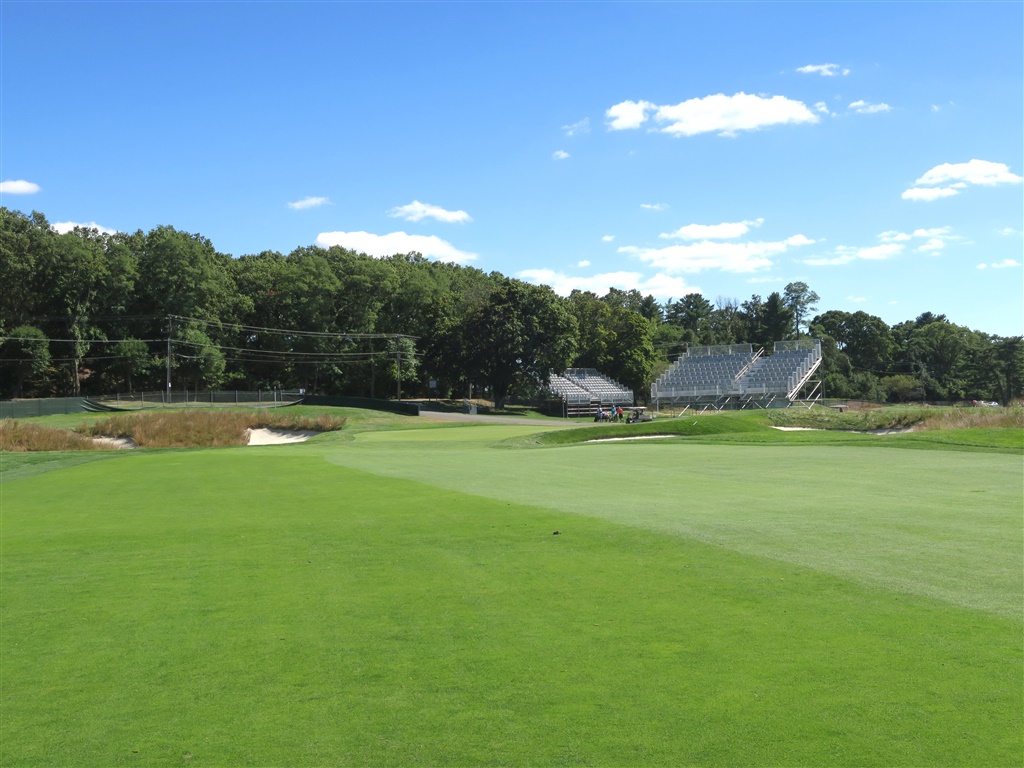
(654, 206)
(708, 254)
(863, 108)
(1006, 263)
(1008, 231)
(379, 246)
(893, 243)
(63, 227)
(717, 113)
(607, 238)
(560, 154)
(724, 231)
(726, 115)
(933, 232)
(982, 266)
(799, 240)
(821, 106)
(583, 263)
(845, 254)
(583, 126)
(417, 211)
(19, 187)
(958, 176)
(825, 70)
(934, 244)
(659, 285)
(628, 114)
(972, 172)
(856, 299)
(927, 193)
(309, 202)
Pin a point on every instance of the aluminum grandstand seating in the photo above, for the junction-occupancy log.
(736, 376)
(582, 390)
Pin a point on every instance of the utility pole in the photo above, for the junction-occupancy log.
(167, 394)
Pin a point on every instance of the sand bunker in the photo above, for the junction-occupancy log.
(278, 436)
(620, 439)
(118, 443)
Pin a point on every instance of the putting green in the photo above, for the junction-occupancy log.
(932, 523)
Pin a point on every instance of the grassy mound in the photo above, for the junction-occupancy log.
(696, 425)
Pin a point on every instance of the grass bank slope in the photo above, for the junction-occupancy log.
(231, 607)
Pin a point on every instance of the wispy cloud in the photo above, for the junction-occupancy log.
(740, 257)
(654, 206)
(1004, 264)
(718, 113)
(948, 179)
(582, 126)
(861, 107)
(583, 263)
(891, 244)
(607, 238)
(661, 286)
(19, 187)
(825, 70)
(417, 211)
(724, 231)
(309, 202)
(856, 299)
(928, 194)
(63, 227)
(845, 254)
(560, 154)
(393, 243)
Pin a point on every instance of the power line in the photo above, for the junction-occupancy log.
(295, 332)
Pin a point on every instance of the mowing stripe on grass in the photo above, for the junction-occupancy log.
(935, 523)
(238, 607)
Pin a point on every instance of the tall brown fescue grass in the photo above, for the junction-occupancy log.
(26, 436)
(203, 428)
(161, 429)
(982, 417)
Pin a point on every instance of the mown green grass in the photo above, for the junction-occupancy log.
(400, 599)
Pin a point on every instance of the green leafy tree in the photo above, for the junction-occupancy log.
(133, 361)
(903, 387)
(692, 313)
(801, 301)
(24, 360)
(522, 331)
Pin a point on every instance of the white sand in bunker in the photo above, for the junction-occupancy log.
(118, 443)
(623, 439)
(278, 436)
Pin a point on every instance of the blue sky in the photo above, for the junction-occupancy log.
(871, 150)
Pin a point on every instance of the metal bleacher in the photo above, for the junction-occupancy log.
(737, 376)
(582, 390)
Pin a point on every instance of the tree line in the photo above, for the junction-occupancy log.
(87, 312)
